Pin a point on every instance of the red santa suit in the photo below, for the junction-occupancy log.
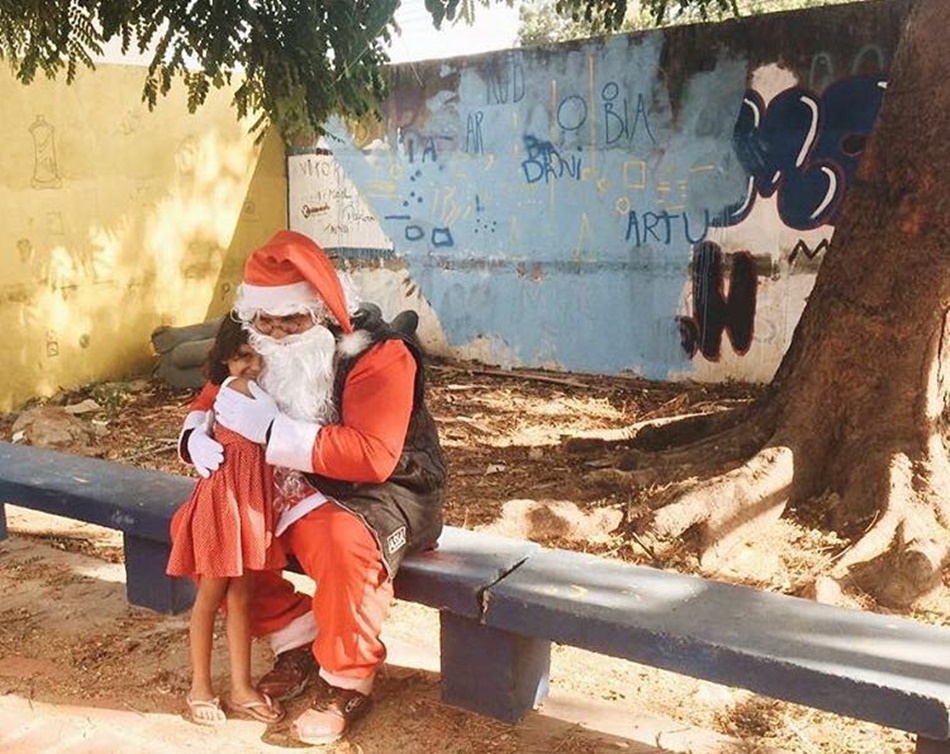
(379, 471)
(336, 548)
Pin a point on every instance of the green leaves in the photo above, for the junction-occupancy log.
(561, 20)
(297, 61)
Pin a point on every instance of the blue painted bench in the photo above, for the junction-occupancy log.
(502, 602)
(137, 502)
(140, 503)
(883, 669)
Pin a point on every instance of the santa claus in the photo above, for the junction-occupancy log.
(340, 409)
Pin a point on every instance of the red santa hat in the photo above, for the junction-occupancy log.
(288, 274)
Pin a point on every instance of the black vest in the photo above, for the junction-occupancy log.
(404, 512)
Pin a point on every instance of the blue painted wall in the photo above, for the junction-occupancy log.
(655, 203)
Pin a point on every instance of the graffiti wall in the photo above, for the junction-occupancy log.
(655, 204)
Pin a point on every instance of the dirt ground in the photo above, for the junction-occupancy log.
(526, 459)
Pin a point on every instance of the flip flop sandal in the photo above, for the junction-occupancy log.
(206, 711)
(266, 711)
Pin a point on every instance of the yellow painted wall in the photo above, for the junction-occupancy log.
(115, 220)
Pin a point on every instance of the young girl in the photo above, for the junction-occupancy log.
(223, 533)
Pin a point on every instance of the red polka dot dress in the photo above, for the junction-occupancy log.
(226, 527)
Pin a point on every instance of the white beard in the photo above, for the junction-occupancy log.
(298, 372)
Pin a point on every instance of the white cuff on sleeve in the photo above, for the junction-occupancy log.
(291, 443)
(363, 685)
(194, 419)
(300, 632)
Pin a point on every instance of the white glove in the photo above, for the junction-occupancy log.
(206, 452)
(249, 417)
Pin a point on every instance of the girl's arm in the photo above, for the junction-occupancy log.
(198, 418)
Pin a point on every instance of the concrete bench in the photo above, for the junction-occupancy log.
(137, 502)
(502, 602)
(883, 669)
(140, 503)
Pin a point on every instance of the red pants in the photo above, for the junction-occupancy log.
(353, 593)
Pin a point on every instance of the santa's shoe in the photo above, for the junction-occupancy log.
(294, 671)
(331, 716)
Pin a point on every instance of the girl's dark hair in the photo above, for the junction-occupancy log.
(230, 337)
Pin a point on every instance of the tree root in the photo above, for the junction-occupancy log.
(659, 436)
(669, 433)
(652, 435)
(901, 557)
(739, 470)
(726, 508)
(898, 559)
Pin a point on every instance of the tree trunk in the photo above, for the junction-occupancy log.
(857, 405)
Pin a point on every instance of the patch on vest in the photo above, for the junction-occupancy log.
(396, 540)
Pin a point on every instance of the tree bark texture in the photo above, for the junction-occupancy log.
(857, 406)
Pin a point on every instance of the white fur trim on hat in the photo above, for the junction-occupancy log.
(276, 299)
(350, 294)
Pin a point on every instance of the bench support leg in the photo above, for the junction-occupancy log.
(146, 584)
(931, 746)
(3, 521)
(495, 673)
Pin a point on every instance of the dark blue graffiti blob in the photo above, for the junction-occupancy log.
(805, 147)
(715, 311)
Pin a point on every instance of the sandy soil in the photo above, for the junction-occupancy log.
(68, 637)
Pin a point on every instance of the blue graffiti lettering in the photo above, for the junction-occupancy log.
(427, 143)
(660, 227)
(650, 220)
(617, 123)
(544, 161)
(442, 237)
(706, 224)
(641, 114)
(505, 81)
(474, 142)
(572, 113)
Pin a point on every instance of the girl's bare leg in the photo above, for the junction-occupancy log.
(201, 632)
(201, 636)
(239, 640)
(243, 693)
